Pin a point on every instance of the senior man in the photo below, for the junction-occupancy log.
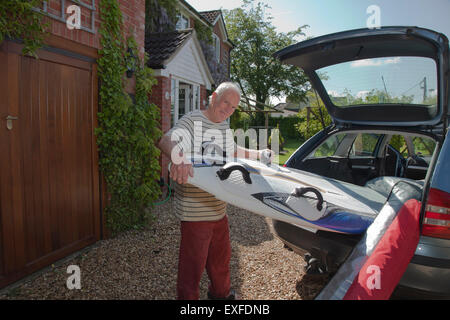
(205, 240)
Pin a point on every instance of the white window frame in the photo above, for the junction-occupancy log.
(217, 46)
(182, 17)
(174, 97)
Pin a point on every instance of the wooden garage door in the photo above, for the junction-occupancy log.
(49, 190)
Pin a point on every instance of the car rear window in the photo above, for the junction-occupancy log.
(390, 80)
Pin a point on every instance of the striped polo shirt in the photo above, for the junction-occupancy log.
(196, 134)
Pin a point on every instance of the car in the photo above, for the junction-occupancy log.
(386, 91)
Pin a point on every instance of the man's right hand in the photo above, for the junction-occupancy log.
(181, 172)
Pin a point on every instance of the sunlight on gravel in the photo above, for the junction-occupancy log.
(143, 265)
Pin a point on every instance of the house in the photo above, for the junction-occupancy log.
(51, 194)
(186, 67)
(287, 109)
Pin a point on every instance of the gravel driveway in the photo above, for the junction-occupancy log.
(143, 265)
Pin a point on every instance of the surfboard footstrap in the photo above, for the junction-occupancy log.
(299, 192)
(224, 172)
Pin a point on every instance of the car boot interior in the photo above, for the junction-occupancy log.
(377, 166)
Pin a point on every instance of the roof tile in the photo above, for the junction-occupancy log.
(160, 46)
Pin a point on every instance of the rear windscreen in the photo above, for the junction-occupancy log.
(390, 80)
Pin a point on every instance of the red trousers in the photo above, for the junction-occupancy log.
(204, 244)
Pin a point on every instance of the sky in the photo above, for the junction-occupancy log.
(329, 16)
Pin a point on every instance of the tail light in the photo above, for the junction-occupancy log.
(436, 221)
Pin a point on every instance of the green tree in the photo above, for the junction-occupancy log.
(313, 118)
(374, 96)
(252, 65)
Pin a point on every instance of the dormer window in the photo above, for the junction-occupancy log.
(183, 22)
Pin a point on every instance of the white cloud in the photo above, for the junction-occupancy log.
(374, 62)
(362, 94)
(334, 93)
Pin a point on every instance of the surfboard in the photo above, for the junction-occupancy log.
(293, 196)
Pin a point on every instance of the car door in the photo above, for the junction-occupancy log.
(362, 157)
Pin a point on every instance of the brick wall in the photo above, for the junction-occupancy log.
(224, 48)
(158, 97)
(203, 98)
(133, 13)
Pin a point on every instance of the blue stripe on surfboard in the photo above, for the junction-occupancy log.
(340, 221)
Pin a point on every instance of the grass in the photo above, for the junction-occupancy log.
(289, 146)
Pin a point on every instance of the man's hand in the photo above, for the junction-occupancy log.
(181, 172)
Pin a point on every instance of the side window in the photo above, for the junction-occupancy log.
(364, 145)
(423, 147)
(329, 146)
(398, 143)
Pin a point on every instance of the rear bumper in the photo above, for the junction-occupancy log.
(428, 273)
(426, 277)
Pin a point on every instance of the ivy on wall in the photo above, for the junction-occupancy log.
(160, 15)
(128, 128)
(18, 20)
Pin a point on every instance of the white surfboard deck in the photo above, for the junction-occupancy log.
(346, 208)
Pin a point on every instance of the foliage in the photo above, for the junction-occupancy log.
(204, 33)
(314, 118)
(375, 96)
(160, 15)
(287, 126)
(280, 138)
(252, 64)
(240, 120)
(219, 71)
(128, 129)
(18, 20)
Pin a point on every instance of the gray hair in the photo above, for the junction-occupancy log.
(223, 87)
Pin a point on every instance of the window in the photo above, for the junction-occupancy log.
(184, 98)
(423, 146)
(398, 142)
(409, 146)
(217, 46)
(364, 145)
(329, 147)
(196, 97)
(173, 103)
(182, 23)
(388, 80)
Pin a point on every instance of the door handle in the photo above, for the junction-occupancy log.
(9, 124)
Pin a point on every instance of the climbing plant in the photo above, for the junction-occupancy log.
(160, 15)
(128, 127)
(19, 20)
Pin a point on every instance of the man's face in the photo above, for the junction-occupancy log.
(224, 106)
